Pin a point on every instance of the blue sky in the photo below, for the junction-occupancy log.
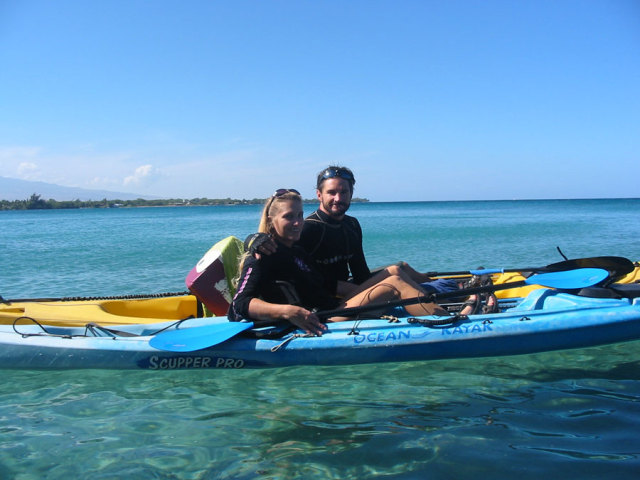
(424, 100)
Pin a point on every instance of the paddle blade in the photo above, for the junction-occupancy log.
(617, 266)
(196, 338)
(570, 279)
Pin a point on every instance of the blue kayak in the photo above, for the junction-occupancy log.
(119, 334)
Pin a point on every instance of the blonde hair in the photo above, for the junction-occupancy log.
(271, 207)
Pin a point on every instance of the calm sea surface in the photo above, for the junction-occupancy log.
(573, 414)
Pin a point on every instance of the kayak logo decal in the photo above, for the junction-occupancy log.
(413, 334)
(392, 336)
(157, 362)
(464, 329)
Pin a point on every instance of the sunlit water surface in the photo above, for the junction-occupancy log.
(570, 414)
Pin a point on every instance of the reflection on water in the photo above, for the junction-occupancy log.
(561, 415)
(574, 412)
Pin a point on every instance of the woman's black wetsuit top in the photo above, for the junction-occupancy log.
(293, 265)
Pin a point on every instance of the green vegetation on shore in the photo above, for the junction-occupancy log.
(36, 202)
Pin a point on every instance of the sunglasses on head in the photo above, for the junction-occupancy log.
(283, 191)
(333, 172)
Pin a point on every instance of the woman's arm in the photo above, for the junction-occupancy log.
(247, 304)
(298, 316)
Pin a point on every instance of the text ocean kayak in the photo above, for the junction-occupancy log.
(125, 333)
(115, 334)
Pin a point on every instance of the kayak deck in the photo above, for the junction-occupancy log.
(115, 333)
(78, 313)
(545, 320)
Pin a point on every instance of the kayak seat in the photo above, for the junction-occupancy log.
(598, 292)
(550, 299)
(616, 290)
(212, 279)
(289, 292)
(626, 290)
(533, 301)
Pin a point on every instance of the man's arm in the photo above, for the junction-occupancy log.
(260, 244)
(358, 263)
(345, 289)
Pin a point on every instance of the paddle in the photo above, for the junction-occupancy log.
(197, 338)
(569, 280)
(617, 266)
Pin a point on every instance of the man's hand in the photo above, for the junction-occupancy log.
(260, 244)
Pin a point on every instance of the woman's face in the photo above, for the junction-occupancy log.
(287, 220)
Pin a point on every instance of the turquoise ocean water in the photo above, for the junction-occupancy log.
(572, 413)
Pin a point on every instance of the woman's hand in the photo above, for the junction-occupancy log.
(298, 316)
(304, 319)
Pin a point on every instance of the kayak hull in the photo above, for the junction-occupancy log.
(545, 320)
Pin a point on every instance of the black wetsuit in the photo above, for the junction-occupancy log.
(336, 247)
(293, 265)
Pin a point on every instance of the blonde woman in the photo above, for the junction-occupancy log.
(259, 297)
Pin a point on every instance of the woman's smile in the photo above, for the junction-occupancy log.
(287, 223)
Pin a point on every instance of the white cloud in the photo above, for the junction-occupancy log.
(20, 162)
(25, 169)
(102, 182)
(17, 153)
(141, 174)
(236, 173)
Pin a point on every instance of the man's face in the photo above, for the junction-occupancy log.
(334, 197)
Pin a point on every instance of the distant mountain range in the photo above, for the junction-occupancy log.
(15, 189)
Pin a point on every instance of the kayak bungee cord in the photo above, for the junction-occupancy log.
(425, 322)
(89, 327)
(83, 299)
(438, 322)
(46, 333)
(290, 338)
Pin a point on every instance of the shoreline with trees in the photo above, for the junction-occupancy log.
(36, 202)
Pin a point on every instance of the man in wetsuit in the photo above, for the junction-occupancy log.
(333, 238)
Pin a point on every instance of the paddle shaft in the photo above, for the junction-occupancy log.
(616, 265)
(483, 271)
(573, 279)
(427, 298)
(197, 338)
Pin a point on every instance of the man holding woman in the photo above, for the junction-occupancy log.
(260, 298)
(334, 239)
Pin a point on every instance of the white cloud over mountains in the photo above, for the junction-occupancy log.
(81, 169)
